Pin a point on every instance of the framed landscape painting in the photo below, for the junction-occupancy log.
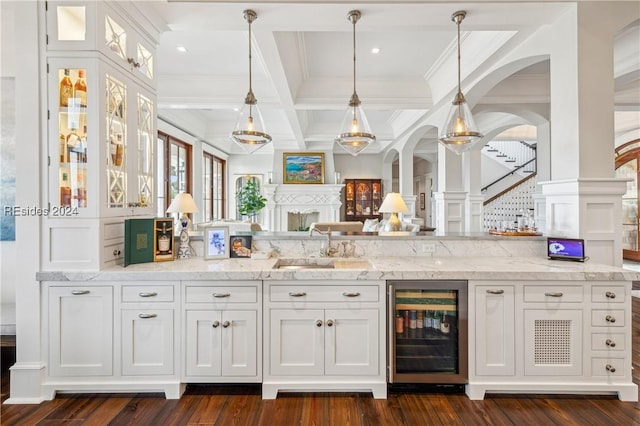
(303, 167)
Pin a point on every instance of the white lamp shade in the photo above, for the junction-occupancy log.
(393, 203)
(183, 203)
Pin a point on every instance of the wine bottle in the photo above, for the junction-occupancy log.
(119, 150)
(444, 324)
(62, 147)
(66, 89)
(80, 89)
(65, 190)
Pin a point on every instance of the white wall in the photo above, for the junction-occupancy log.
(8, 256)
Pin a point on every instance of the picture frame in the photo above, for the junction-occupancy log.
(303, 167)
(422, 199)
(216, 242)
(163, 241)
(240, 246)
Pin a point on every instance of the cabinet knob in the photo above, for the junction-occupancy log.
(610, 319)
(226, 324)
(610, 343)
(330, 323)
(116, 252)
(221, 295)
(499, 291)
(319, 323)
(297, 294)
(354, 294)
(215, 324)
(133, 62)
(553, 294)
(610, 295)
(610, 368)
(149, 294)
(80, 292)
(147, 316)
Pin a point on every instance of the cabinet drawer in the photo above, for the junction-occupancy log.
(607, 293)
(221, 294)
(607, 341)
(323, 293)
(147, 293)
(554, 294)
(607, 367)
(607, 317)
(113, 251)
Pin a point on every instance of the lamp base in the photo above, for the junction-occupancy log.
(184, 249)
(393, 224)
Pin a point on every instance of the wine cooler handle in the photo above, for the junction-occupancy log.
(500, 291)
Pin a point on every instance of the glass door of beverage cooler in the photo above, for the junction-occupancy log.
(427, 332)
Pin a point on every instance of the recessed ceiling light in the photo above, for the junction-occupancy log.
(181, 49)
(375, 50)
(236, 109)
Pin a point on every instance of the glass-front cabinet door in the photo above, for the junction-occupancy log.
(627, 168)
(102, 132)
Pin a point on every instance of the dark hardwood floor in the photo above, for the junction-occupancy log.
(234, 405)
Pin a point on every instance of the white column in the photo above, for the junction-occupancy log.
(543, 172)
(471, 164)
(450, 198)
(584, 199)
(269, 213)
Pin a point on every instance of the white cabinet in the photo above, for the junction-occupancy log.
(148, 329)
(80, 330)
(222, 331)
(221, 343)
(318, 342)
(111, 336)
(494, 330)
(101, 131)
(550, 336)
(323, 335)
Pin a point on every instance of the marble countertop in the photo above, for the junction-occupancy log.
(375, 268)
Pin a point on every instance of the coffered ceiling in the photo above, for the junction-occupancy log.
(302, 64)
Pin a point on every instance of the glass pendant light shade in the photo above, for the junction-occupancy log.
(249, 131)
(355, 134)
(459, 133)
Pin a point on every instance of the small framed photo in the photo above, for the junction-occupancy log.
(240, 246)
(216, 242)
(303, 167)
(162, 239)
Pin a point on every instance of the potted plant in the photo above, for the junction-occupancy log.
(250, 200)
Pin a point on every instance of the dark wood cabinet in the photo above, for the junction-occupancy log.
(362, 199)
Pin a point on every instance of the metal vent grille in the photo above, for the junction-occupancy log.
(552, 342)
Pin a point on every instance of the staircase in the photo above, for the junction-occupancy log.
(510, 194)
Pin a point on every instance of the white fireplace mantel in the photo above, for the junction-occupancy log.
(283, 198)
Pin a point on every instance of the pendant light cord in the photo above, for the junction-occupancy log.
(354, 55)
(458, 20)
(250, 86)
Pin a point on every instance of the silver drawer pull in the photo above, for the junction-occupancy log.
(610, 368)
(221, 295)
(610, 295)
(495, 291)
(553, 294)
(610, 343)
(226, 324)
(80, 292)
(150, 294)
(215, 324)
(354, 294)
(297, 294)
(609, 318)
(147, 316)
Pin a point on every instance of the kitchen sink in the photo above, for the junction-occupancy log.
(320, 263)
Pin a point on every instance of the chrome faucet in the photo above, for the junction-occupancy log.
(329, 250)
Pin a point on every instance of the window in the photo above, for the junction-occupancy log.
(213, 171)
(174, 170)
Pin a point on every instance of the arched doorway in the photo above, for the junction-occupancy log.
(627, 161)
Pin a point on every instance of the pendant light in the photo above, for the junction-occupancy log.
(460, 131)
(249, 131)
(355, 134)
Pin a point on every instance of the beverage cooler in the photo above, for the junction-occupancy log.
(427, 332)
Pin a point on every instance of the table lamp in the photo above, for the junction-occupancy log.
(183, 203)
(394, 204)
